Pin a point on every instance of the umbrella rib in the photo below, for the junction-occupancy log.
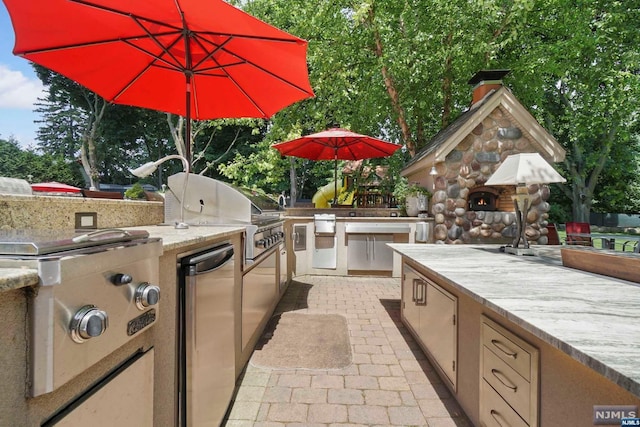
(209, 54)
(164, 48)
(292, 39)
(125, 14)
(169, 66)
(247, 61)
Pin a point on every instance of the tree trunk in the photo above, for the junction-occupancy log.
(88, 150)
(294, 183)
(391, 87)
(447, 79)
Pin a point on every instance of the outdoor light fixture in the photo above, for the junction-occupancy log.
(523, 170)
(433, 171)
(150, 167)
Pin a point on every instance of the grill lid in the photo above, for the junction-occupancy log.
(209, 201)
(42, 242)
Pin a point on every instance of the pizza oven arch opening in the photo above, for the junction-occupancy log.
(483, 199)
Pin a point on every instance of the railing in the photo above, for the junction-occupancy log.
(370, 199)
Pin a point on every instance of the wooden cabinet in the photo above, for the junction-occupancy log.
(430, 312)
(509, 371)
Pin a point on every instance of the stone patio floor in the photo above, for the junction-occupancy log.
(389, 383)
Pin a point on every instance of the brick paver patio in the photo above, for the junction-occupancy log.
(389, 383)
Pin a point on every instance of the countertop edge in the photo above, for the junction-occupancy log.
(582, 357)
(172, 239)
(17, 278)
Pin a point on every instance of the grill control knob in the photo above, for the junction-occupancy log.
(89, 322)
(121, 279)
(147, 295)
(262, 243)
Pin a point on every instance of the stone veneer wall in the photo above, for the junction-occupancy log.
(470, 165)
(50, 212)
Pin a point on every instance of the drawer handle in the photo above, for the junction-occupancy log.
(504, 380)
(504, 348)
(499, 419)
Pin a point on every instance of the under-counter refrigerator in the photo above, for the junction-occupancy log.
(206, 336)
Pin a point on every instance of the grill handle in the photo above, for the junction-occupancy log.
(94, 235)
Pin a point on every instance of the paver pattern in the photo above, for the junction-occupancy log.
(389, 383)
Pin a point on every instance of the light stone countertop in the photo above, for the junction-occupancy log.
(364, 218)
(16, 278)
(173, 238)
(594, 319)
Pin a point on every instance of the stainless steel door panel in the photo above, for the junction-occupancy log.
(283, 268)
(126, 400)
(300, 237)
(259, 292)
(369, 252)
(209, 336)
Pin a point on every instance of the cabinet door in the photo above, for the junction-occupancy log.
(358, 252)
(370, 252)
(412, 285)
(438, 330)
(381, 258)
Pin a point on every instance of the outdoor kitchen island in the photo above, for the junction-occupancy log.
(532, 342)
(18, 285)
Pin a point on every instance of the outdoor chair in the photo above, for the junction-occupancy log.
(579, 233)
(552, 235)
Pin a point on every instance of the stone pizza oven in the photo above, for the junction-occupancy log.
(458, 161)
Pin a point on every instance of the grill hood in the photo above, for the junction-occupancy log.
(209, 201)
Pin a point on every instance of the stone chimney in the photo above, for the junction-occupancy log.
(485, 81)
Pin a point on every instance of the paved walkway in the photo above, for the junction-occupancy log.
(389, 383)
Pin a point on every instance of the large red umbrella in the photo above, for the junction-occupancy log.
(202, 59)
(54, 187)
(336, 144)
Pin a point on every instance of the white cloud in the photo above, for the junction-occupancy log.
(18, 90)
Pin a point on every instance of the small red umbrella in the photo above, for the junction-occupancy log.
(54, 187)
(202, 59)
(336, 144)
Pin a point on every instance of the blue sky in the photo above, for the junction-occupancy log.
(19, 89)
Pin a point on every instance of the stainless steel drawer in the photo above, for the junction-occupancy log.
(508, 348)
(494, 411)
(515, 390)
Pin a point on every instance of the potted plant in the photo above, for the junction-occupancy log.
(413, 197)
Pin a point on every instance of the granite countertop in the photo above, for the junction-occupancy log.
(16, 278)
(365, 218)
(594, 319)
(173, 238)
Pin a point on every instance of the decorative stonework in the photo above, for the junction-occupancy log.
(470, 165)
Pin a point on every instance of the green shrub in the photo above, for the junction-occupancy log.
(136, 192)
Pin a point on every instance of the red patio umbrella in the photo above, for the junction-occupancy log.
(336, 144)
(202, 59)
(54, 187)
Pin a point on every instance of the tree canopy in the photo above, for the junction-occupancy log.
(398, 70)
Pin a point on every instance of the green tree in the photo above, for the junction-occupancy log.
(28, 164)
(579, 68)
(399, 68)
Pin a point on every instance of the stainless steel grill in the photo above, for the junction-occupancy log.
(97, 291)
(211, 202)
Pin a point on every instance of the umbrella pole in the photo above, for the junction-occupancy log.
(187, 132)
(335, 179)
(187, 50)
